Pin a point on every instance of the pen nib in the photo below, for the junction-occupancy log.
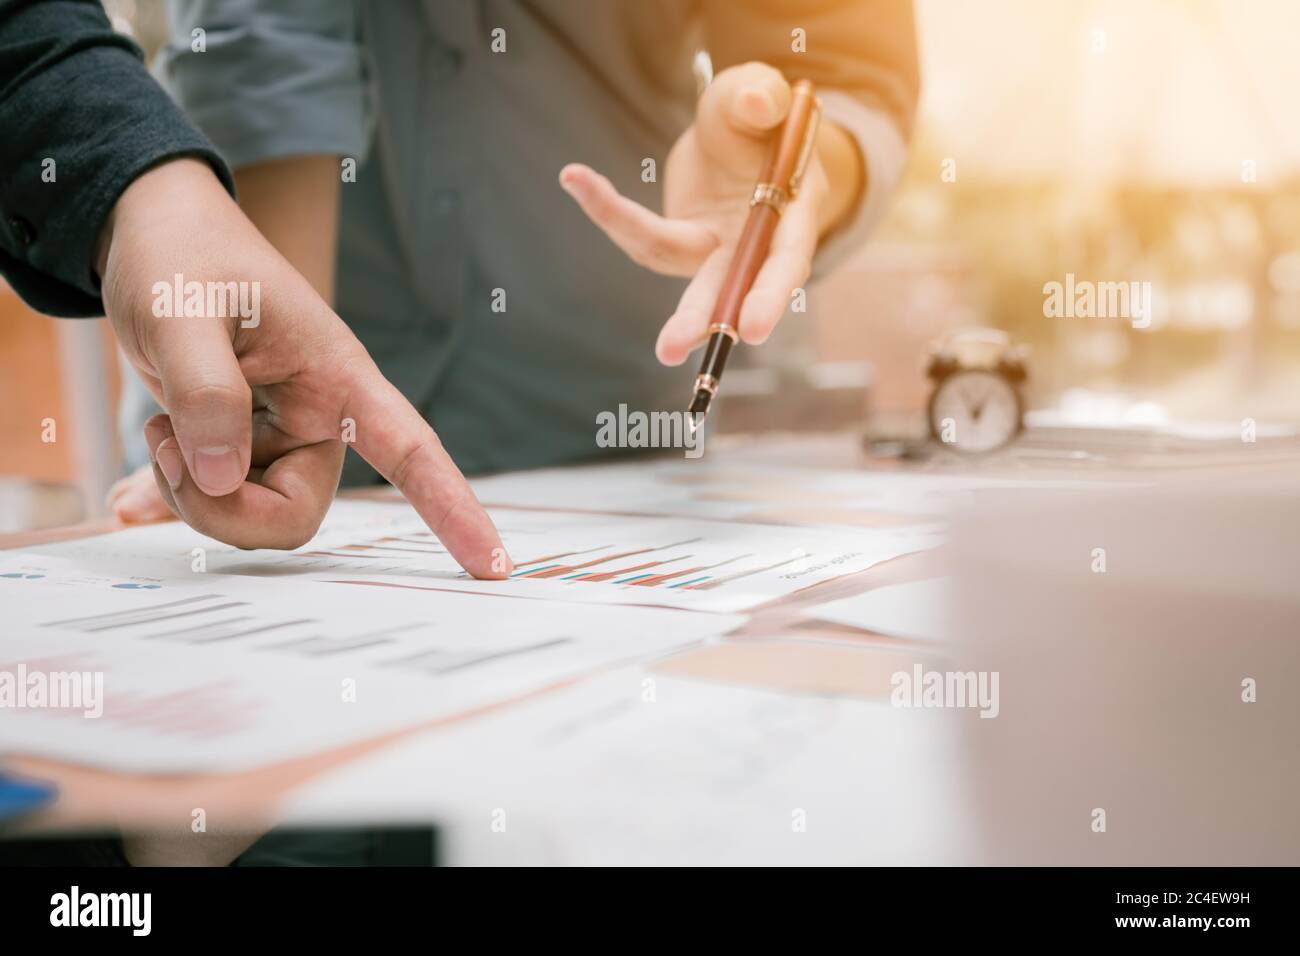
(698, 410)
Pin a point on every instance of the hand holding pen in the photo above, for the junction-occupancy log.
(708, 182)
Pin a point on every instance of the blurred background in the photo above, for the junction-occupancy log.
(1118, 140)
(1115, 140)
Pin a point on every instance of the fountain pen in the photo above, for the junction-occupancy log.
(778, 183)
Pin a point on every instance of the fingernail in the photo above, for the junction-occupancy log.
(218, 468)
(762, 103)
(156, 430)
(168, 456)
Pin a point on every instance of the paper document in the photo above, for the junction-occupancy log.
(918, 610)
(749, 492)
(667, 562)
(213, 658)
(638, 768)
(208, 671)
(559, 556)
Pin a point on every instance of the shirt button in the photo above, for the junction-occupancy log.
(450, 61)
(22, 230)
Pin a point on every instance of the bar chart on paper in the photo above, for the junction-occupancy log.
(690, 563)
(673, 562)
(660, 571)
(234, 670)
(216, 657)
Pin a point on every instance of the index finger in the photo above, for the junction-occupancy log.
(668, 246)
(391, 435)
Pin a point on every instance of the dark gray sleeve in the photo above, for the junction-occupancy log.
(275, 78)
(81, 119)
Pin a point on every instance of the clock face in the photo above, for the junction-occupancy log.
(975, 411)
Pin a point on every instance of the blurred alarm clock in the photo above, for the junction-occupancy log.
(976, 405)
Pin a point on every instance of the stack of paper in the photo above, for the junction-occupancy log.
(157, 648)
(917, 611)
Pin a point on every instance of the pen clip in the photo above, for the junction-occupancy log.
(806, 147)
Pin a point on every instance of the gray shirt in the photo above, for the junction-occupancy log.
(456, 203)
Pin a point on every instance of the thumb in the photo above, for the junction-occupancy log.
(751, 100)
(210, 403)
